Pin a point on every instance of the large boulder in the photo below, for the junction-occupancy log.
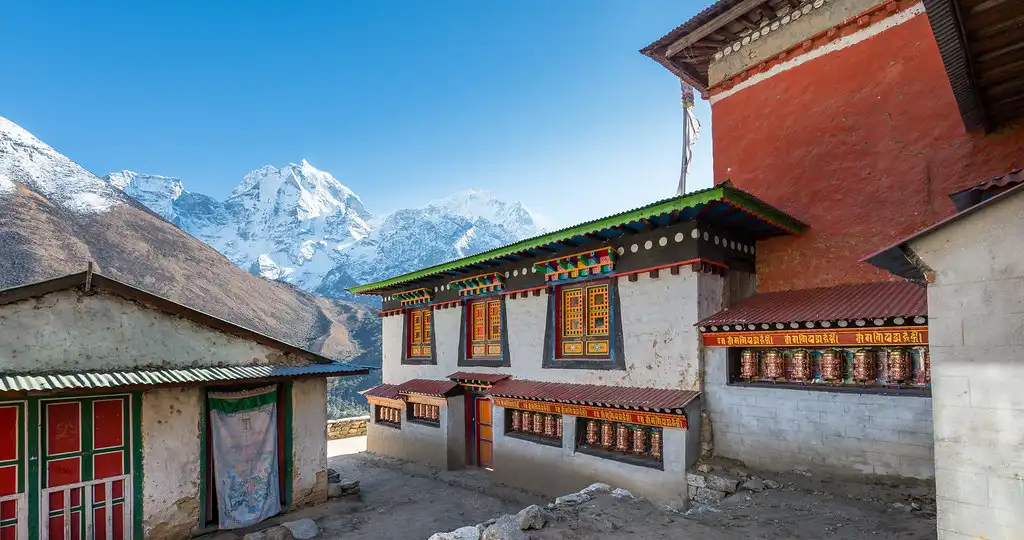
(303, 529)
(531, 517)
(278, 533)
(504, 529)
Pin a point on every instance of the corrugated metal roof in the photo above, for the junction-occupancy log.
(469, 376)
(966, 198)
(865, 301)
(166, 377)
(426, 387)
(385, 391)
(730, 204)
(626, 397)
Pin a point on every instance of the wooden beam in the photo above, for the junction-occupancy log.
(711, 26)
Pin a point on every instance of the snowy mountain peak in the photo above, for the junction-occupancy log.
(312, 193)
(158, 193)
(476, 205)
(26, 159)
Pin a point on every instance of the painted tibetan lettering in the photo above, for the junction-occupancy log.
(916, 335)
(597, 413)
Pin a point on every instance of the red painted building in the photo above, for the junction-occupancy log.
(843, 117)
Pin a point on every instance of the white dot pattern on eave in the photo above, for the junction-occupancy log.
(768, 27)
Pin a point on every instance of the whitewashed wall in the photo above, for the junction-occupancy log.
(71, 331)
(171, 454)
(309, 441)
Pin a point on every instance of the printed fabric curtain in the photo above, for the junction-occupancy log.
(244, 431)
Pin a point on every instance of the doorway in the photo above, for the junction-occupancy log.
(483, 432)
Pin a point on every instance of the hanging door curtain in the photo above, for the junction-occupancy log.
(244, 430)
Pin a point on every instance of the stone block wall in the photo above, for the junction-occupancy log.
(781, 429)
(347, 427)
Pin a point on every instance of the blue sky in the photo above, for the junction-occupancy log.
(545, 102)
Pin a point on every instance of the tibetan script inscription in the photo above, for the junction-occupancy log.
(910, 335)
(598, 413)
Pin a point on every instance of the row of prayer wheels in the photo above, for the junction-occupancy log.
(426, 412)
(891, 365)
(623, 438)
(389, 414)
(547, 425)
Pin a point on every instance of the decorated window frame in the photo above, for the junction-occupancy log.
(418, 346)
(484, 329)
(634, 444)
(538, 427)
(583, 326)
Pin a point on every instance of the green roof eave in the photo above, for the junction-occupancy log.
(723, 192)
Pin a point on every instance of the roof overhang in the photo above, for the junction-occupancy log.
(723, 205)
(982, 48)
(899, 258)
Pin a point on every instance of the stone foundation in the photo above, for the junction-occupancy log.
(347, 427)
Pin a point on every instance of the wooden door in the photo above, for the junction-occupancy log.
(484, 433)
(86, 469)
(13, 506)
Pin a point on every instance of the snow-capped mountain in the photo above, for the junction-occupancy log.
(300, 225)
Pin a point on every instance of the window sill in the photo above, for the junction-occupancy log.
(427, 423)
(418, 361)
(629, 459)
(908, 391)
(534, 438)
(607, 364)
(391, 425)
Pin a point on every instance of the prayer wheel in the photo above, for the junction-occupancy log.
(639, 441)
(558, 426)
(435, 412)
(863, 365)
(592, 432)
(831, 365)
(417, 411)
(924, 367)
(527, 422)
(748, 364)
(538, 423)
(656, 444)
(800, 365)
(549, 425)
(607, 435)
(622, 438)
(898, 365)
(517, 420)
(773, 367)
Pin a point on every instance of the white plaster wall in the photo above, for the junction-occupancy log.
(976, 334)
(171, 453)
(70, 331)
(309, 441)
(661, 344)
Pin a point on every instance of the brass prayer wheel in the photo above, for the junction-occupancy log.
(417, 410)
(527, 421)
(748, 364)
(538, 423)
(773, 368)
(591, 432)
(863, 365)
(639, 441)
(800, 365)
(549, 425)
(924, 368)
(607, 435)
(517, 420)
(622, 438)
(656, 443)
(558, 426)
(435, 412)
(831, 365)
(898, 365)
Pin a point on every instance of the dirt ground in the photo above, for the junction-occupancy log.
(401, 500)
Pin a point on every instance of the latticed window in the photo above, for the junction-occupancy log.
(484, 329)
(584, 314)
(419, 333)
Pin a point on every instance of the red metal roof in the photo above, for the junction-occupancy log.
(650, 399)
(426, 387)
(1013, 177)
(865, 301)
(478, 377)
(385, 391)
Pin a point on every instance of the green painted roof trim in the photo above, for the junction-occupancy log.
(723, 192)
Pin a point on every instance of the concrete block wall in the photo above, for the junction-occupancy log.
(557, 470)
(781, 429)
(976, 330)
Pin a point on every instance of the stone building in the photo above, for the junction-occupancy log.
(974, 268)
(571, 357)
(108, 423)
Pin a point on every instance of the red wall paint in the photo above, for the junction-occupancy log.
(863, 144)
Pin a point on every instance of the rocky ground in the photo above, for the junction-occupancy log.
(400, 500)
